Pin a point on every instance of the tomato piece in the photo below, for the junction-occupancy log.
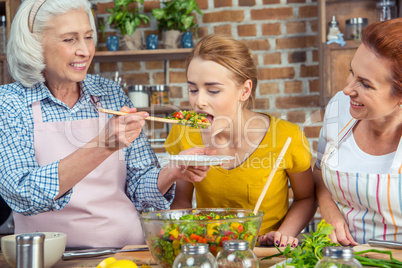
(188, 116)
(195, 237)
(178, 115)
(213, 249)
(240, 228)
(205, 120)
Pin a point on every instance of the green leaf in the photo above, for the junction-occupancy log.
(187, 22)
(158, 13)
(177, 15)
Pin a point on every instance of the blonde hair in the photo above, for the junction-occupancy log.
(231, 54)
(24, 49)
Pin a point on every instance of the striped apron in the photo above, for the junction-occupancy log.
(370, 203)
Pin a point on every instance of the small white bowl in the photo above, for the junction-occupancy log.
(54, 246)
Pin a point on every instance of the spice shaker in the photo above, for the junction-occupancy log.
(333, 31)
(30, 250)
(338, 257)
(195, 255)
(159, 95)
(236, 253)
(138, 94)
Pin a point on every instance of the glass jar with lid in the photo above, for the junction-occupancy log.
(355, 28)
(236, 253)
(159, 95)
(195, 255)
(334, 257)
(139, 95)
(386, 10)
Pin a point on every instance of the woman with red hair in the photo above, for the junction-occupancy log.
(358, 168)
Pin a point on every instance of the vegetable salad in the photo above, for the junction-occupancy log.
(167, 245)
(190, 118)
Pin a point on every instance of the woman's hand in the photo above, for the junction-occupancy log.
(194, 173)
(276, 238)
(121, 131)
(330, 212)
(341, 233)
(172, 172)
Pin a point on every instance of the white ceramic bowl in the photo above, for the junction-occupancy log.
(54, 246)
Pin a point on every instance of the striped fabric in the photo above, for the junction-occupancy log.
(370, 203)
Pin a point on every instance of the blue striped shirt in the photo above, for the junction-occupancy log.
(31, 189)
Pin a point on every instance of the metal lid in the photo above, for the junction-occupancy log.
(338, 252)
(140, 88)
(235, 245)
(195, 248)
(386, 3)
(30, 238)
(159, 88)
(357, 21)
(333, 22)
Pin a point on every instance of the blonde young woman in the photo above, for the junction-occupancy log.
(222, 80)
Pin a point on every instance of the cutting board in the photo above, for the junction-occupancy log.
(145, 257)
(139, 257)
(396, 253)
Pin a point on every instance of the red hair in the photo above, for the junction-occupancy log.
(385, 40)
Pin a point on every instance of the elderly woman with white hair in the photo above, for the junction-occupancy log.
(64, 166)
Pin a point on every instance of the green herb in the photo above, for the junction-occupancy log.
(310, 251)
(367, 261)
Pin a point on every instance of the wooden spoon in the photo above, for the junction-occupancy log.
(271, 175)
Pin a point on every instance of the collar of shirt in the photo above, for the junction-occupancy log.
(40, 91)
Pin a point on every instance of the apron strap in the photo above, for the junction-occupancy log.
(37, 112)
(338, 139)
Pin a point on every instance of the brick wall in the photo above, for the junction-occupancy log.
(282, 35)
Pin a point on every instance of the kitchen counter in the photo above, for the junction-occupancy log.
(92, 262)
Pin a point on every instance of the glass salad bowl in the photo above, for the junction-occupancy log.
(166, 231)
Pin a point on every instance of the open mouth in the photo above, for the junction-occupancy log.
(210, 118)
(356, 104)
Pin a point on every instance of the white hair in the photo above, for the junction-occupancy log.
(24, 49)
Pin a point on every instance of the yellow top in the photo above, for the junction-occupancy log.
(240, 187)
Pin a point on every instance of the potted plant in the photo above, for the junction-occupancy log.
(126, 19)
(176, 17)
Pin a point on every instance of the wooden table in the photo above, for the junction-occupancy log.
(92, 262)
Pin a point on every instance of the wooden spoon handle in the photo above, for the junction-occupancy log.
(271, 175)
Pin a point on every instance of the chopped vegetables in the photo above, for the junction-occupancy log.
(167, 245)
(190, 118)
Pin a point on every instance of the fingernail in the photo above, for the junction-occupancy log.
(277, 242)
(146, 114)
(293, 245)
(282, 245)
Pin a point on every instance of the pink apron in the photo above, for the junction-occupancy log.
(370, 203)
(99, 213)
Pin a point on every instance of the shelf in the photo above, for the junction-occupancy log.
(142, 55)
